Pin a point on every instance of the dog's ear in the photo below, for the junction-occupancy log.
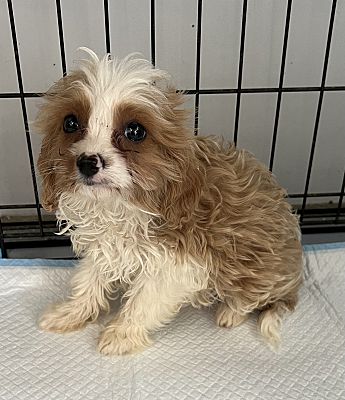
(49, 197)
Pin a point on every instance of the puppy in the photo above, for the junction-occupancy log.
(163, 216)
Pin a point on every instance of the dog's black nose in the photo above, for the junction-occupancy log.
(89, 165)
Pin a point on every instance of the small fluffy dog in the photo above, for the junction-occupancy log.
(164, 216)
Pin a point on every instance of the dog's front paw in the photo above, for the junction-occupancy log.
(61, 318)
(119, 340)
(227, 318)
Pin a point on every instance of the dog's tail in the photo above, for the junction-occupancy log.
(269, 321)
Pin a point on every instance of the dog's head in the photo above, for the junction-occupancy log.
(111, 127)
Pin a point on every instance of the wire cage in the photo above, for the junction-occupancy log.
(39, 231)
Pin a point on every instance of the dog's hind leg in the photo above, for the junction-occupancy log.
(270, 319)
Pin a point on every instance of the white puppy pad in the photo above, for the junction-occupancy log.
(191, 359)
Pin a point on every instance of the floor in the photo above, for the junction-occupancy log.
(191, 357)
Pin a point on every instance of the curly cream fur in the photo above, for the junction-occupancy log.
(175, 219)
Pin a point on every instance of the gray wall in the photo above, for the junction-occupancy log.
(176, 50)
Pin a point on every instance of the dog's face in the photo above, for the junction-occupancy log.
(110, 127)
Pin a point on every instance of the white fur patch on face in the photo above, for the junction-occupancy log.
(133, 79)
(114, 172)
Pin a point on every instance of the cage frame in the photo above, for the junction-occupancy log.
(40, 233)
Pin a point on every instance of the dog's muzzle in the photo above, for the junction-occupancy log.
(89, 165)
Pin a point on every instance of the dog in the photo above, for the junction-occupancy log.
(165, 217)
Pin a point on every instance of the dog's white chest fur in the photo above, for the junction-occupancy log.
(114, 235)
(118, 241)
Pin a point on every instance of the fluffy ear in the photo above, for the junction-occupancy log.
(49, 198)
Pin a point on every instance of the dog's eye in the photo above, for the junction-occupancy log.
(71, 124)
(135, 132)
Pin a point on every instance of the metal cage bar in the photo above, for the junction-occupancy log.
(24, 113)
(290, 89)
(281, 82)
(291, 196)
(107, 26)
(197, 67)
(319, 107)
(240, 69)
(341, 198)
(61, 37)
(153, 31)
(2, 242)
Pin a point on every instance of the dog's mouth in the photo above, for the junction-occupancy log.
(95, 182)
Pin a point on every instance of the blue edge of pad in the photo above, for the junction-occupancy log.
(40, 262)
